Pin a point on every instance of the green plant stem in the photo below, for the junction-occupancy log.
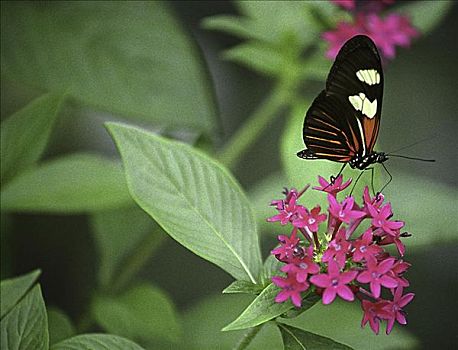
(128, 271)
(256, 123)
(248, 337)
(136, 261)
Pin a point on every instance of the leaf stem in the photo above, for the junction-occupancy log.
(136, 261)
(248, 337)
(244, 137)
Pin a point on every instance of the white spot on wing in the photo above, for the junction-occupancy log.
(368, 76)
(361, 103)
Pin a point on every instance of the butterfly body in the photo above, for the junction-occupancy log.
(343, 121)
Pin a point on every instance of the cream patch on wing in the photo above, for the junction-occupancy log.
(361, 103)
(368, 76)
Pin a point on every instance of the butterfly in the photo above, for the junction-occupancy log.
(343, 121)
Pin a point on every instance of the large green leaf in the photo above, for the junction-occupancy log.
(96, 342)
(264, 308)
(75, 183)
(123, 234)
(426, 15)
(193, 198)
(131, 58)
(298, 339)
(24, 135)
(341, 321)
(142, 313)
(430, 218)
(12, 290)
(203, 323)
(25, 327)
(60, 326)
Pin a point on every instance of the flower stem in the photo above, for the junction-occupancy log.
(248, 337)
(244, 137)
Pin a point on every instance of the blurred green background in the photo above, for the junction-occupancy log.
(420, 103)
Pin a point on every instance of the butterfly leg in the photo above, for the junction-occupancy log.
(357, 179)
(333, 178)
(391, 178)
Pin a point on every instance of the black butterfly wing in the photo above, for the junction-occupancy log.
(344, 119)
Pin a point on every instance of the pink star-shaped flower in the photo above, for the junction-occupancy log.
(395, 308)
(301, 267)
(309, 220)
(396, 239)
(334, 283)
(337, 249)
(376, 201)
(378, 275)
(287, 248)
(287, 208)
(291, 289)
(381, 219)
(332, 187)
(373, 313)
(364, 247)
(344, 212)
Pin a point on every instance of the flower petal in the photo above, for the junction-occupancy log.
(322, 280)
(329, 295)
(345, 293)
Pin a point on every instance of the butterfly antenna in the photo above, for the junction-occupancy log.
(412, 144)
(413, 158)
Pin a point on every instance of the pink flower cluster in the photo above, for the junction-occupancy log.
(387, 32)
(332, 263)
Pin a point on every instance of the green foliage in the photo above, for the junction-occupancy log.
(13, 290)
(128, 58)
(75, 183)
(24, 135)
(244, 287)
(426, 15)
(121, 236)
(60, 325)
(341, 321)
(263, 308)
(96, 342)
(25, 326)
(277, 34)
(433, 225)
(298, 339)
(193, 198)
(142, 313)
(203, 323)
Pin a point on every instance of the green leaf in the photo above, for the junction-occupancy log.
(298, 339)
(271, 268)
(301, 172)
(60, 326)
(142, 313)
(12, 290)
(274, 22)
(75, 183)
(203, 323)
(25, 134)
(193, 198)
(230, 24)
(264, 308)
(242, 287)
(259, 57)
(96, 342)
(121, 234)
(341, 321)
(25, 327)
(425, 15)
(427, 217)
(132, 59)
